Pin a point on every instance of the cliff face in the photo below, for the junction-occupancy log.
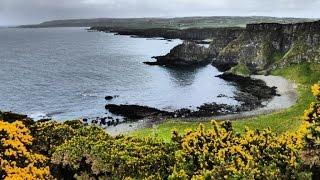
(268, 45)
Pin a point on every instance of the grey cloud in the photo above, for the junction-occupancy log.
(35, 11)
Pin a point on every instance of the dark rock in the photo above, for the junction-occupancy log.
(108, 98)
(251, 92)
(135, 111)
(222, 95)
(103, 121)
(187, 54)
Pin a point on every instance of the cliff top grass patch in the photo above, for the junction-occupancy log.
(240, 69)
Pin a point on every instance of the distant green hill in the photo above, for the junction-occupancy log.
(181, 22)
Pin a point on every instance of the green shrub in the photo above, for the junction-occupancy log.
(92, 153)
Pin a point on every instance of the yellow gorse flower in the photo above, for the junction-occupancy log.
(14, 141)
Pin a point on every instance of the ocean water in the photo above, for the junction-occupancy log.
(65, 73)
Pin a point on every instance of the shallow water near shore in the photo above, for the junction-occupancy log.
(65, 73)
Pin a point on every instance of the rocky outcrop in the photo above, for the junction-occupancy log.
(267, 45)
(187, 54)
(251, 92)
(134, 112)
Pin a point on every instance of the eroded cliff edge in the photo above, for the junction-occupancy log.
(265, 46)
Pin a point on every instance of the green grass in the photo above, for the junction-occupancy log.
(276, 57)
(240, 69)
(304, 75)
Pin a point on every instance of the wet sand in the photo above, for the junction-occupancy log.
(286, 89)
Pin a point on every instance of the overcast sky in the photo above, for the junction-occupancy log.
(14, 12)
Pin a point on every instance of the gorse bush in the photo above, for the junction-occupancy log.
(219, 153)
(92, 153)
(17, 161)
(312, 116)
(50, 134)
(311, 153)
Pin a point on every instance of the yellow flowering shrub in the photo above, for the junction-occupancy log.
(311, 153)
(312, 116)
(50, 134)
(17, 161)
(92, 153)
(219, 153)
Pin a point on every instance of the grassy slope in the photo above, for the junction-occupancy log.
(304, 75)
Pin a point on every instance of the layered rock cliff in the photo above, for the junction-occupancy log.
(268, 45)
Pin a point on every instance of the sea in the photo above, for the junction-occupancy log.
(66, 73)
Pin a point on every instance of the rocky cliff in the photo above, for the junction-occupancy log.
(187, 54)
(268, 45)
(255, 49)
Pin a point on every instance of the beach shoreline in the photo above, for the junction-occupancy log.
(285, 88)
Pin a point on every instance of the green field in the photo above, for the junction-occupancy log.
(304, 75)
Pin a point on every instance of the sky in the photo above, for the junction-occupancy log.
(18, 12)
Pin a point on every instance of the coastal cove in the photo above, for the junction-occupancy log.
(285, 88)
(65, 73)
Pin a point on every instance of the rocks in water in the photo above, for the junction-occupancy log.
(251, 92)
(134, 112)
(102, 121)
(222, 95)
(184, 55)
(214, 109)
(109, 98)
